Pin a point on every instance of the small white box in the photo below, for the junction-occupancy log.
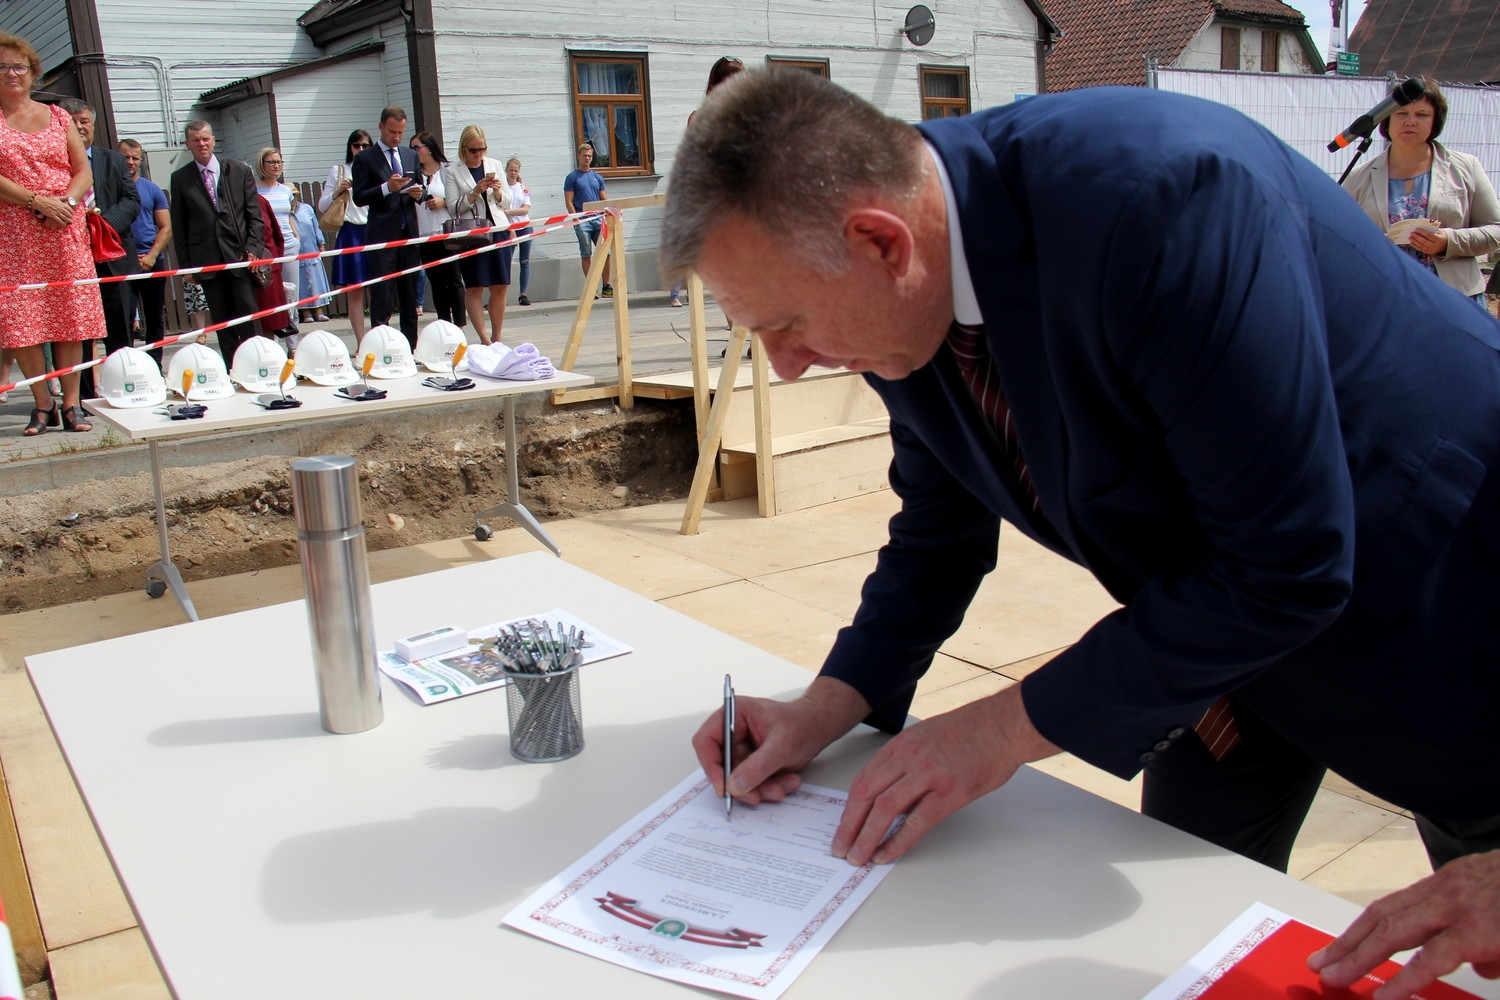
(431, 643)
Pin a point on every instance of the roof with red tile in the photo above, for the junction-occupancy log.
(1453, 40)
(1108, 41)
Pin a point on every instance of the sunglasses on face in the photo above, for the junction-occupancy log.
(359, 145)
(477, 149)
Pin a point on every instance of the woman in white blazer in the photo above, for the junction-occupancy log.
(476, 190)
(1420, 178)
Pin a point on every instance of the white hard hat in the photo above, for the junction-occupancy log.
(323, 358)
(258, 363)
(393, 357)
(436, 344)
(129, 378)
(210, 380)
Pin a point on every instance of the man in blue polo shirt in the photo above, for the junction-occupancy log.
(579, 188)
(152, 230)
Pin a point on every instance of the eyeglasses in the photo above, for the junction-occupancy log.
(11, 69)
(476, 149)
(359, 145)
(273, 163)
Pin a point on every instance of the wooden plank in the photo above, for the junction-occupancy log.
(822, 437)
(585, 394)
(659, 392)
(591, 285)
(708, 454)
(698, 348)
(77, 894)
(819, 476)
(120, 967)
(15, 893)
(765, 467)
(622, 310)
(635, 201)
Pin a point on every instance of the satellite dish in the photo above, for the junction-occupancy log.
(920, 24)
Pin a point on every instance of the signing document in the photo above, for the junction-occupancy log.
(740, 906)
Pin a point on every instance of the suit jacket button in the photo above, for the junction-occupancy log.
(1147, 757)
(1162, 745)
(1175, 733)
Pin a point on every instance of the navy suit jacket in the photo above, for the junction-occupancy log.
(1264, 429)
(203, 234)
(388, 212)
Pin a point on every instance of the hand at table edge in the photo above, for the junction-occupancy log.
(775, 740)
(1453, 916)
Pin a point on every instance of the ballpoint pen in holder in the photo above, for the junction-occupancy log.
(542, 699)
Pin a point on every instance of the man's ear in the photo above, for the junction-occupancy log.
(877, 235)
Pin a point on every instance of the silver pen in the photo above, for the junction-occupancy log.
(728, 743)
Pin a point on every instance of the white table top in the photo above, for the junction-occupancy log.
(319, 402)
(263, 855)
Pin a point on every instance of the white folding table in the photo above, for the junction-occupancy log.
(266, 857)
(238, 412)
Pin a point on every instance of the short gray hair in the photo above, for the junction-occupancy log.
(196, 125)
(73, 105)
(786, 150)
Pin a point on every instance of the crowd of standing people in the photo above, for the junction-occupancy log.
(220, 211)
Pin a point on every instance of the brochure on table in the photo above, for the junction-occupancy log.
(1262, 955)
(470, 669)
(738, 905)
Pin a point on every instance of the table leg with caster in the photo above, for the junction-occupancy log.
(163, 576)
(512, 507)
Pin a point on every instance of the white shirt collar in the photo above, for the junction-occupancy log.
(965, 302)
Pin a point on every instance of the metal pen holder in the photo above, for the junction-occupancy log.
(546, 714)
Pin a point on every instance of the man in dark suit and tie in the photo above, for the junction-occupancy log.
(216, 220)
(115, 198)
(1145, 333)
(384, 178)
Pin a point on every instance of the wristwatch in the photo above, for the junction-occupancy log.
(72, 201)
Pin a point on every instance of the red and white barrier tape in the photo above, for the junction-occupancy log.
(569, 219)
(554, 224)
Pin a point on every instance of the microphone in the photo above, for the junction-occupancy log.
(1365, 124)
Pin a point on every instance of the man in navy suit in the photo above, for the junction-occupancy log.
(216, 219)
(1153, 338)
(384, 178)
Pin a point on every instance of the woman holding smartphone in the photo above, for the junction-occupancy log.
(432, 211)
(477, 191)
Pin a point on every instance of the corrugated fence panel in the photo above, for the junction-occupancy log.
(1306, 112)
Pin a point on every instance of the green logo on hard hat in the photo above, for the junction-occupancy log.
(129, 387)
(202, 378)
(264, 372)
(386, 359)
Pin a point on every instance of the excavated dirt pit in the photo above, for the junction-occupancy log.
(419, 483)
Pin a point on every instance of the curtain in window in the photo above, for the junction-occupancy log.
(609, 78)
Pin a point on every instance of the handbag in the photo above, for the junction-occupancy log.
(103, 240)
(332, 220)
(461, 239)
(260, 275)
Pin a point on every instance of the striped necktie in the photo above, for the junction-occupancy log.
(973, 358)
(1217, 728)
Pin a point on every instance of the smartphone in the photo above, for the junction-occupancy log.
(490, 176)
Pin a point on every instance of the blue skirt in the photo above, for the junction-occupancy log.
(489, 268)
(350, 268)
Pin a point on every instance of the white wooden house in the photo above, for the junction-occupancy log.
(538, 77)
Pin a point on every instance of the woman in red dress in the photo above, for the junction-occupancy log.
(44, 175)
